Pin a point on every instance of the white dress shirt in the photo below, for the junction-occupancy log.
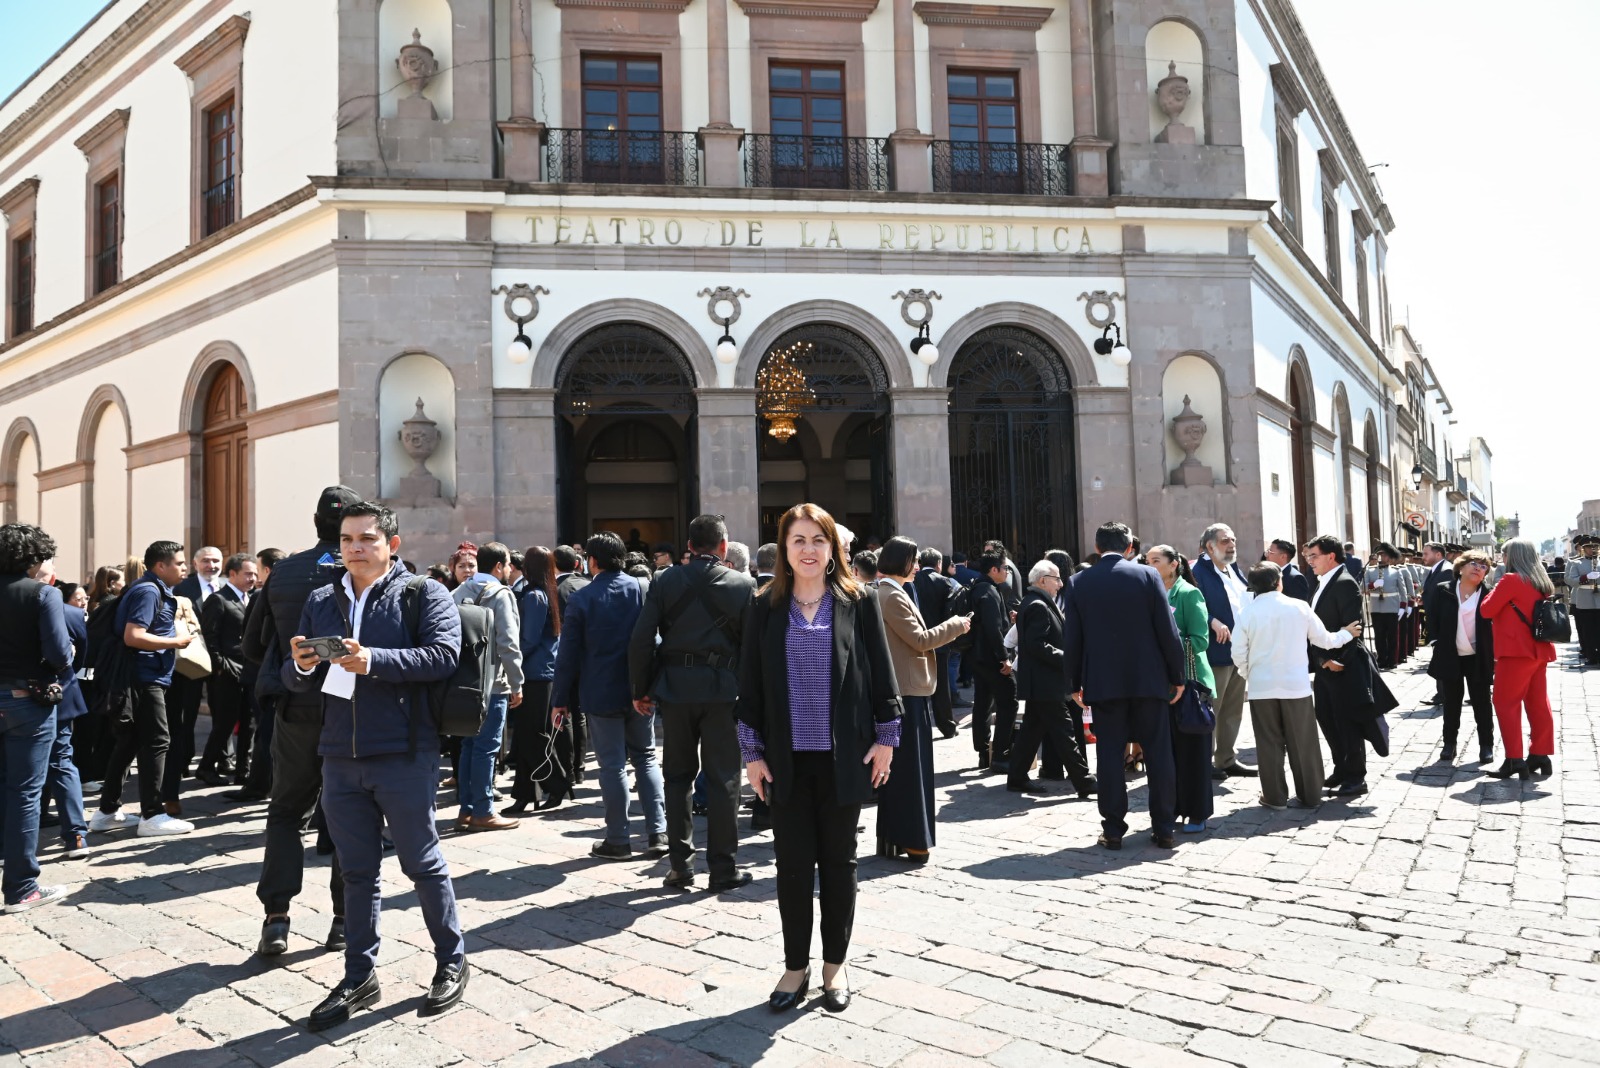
(1467, 624)
(1269, 646)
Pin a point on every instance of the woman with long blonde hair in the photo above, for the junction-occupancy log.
(1519, 662)
(819, 720)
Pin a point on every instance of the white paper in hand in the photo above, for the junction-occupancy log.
(339, 682)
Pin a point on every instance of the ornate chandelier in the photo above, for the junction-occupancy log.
(782, 393)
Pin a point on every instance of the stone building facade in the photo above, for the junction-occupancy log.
(540, 219)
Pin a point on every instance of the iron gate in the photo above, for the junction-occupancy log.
(1012, 474)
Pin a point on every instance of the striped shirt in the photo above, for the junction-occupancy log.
(809, 656)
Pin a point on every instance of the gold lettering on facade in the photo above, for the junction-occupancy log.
(1061, 236)
(616, 222)
(804, 241)
(563, 226)
(1084, 248)
(647, 231)
(833, 236)
(589, 236)
(729, 231)
(726, 233)
(535, 220)
(935, 235)
(753, 229)
(885, 235)
(1010, 245)
(913, 236)
(962, 233)
(1036, 239)
(673, 231)
(986, 234)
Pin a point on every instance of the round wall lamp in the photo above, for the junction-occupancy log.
(916, 308)
(521, 307)
(1120, 354)
(722, 305)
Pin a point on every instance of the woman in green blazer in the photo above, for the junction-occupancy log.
(1191, 752)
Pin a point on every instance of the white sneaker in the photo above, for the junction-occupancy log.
(163, 824)
(103, 821)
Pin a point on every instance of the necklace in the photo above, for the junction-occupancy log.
(811, 604)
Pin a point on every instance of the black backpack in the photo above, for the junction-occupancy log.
(959, 604)
(110, 664)
(460, 702)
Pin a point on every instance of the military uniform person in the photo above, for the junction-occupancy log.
(1388, 590)
(1583, 585)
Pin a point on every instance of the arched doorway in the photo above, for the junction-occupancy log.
(1301, 417)
(1012, 474)
(225, 468)
(1374, 517)
(839, 456)
(625, 412)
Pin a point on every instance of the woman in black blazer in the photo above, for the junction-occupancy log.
(1457, 671)
(819, 718)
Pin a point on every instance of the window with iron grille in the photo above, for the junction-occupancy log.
(622, 135)
(1330, 234)
(21, 283)
(107, 232)
(220, 208)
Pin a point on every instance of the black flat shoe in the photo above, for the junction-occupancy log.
(835, 1000)
(449, 983)
(1351, 789)
(1331, 781)
(722, 886)
(335, 940)
(345, 999)
(784, 1000)
(274, 937)
(246, 794)
(1486, 755)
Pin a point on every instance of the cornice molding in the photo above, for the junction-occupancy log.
(675, 7)
(113, 125)
(73, 474)
(18, 195)
(230, 35)
(849, 10)
(161, 450)
(1290, 96)
(1330, 166)
(990, 16)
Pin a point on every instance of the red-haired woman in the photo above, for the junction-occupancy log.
(819, 720)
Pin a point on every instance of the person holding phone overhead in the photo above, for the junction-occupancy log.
(819, 720)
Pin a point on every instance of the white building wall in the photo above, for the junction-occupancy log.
(283, 506)
(1257, 115)
(1277, 505)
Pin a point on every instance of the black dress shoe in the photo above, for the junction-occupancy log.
(947, 732)
(784, 1000)
(611, 851)
(1331, 781)
(210, 776)
(722, 886)
(1351, 789)
(659, 846)
(983, 762)
(1089, 788)
(1486, 754)
(515, 809)
(335, 940)
(678, 880)
(1052, 776)
(759, 823)
(449, 983)
(345, 998)
(274, 937)
(1242, 771)
(1540, 765)
(1163, 841)
(835, 1000)
(1029, 786)
(1109, 842)
(246, 794)
(1218, 774)
(1447, 753)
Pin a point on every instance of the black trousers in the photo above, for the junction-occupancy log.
(1147, 721)
(148, 739)
(997, 694)
(1476, 682)
(814, 839)
(296, 785)
(230, 708)
(1047, 721)
(260, 777)
(538, 761)
(1340, 731)
(944, 717)
(1051, 763)
(183, 711)
(697, 735)
(1587, 621)
(580, 744)
(1386, 639)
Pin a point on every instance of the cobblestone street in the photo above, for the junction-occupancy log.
(1445, 919)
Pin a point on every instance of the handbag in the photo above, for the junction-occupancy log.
(194, 659)
(1550, 621)
(1194, 713)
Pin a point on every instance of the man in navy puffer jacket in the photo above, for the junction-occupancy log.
(380, 748)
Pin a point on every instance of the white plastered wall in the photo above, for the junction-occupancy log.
(1277, 505)
(1257, 114)
(284, 505)
(108, 489)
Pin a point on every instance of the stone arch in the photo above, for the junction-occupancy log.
(1301, 366)
(1302, 401)
(1064, 339)
(1373, 445)
(888, 348)
(192, 416)
(203, 374)
(106, 396)
(1177, 40)
(1179, 378)
(107, 491)
(17, 436)
(1343, 466)
(567, 333)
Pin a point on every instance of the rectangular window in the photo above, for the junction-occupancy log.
(984, 130)
(107, 232)
(220, 207)
(1288, 176)
(1362, 302)
(21, 284)
(621, 137)
(806, 116)
(1330, 235)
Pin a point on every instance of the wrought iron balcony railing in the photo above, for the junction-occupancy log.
(614, 157)
(105, 269)
(219, 206)
(1001, 167)
(1429, 461)
(792, 161)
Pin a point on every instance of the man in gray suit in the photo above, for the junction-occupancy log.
(699, 612)
(1583, 583)
(1388, 590)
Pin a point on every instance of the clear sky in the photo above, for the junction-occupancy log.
(1481, 117)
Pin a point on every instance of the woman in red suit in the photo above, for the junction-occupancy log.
(1519, 662)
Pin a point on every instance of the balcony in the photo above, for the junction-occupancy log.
(1456, 492)
(1429, 461)
(793, 161)
(622, 157)
(218, 207)
(105, 269)
(1001, 167)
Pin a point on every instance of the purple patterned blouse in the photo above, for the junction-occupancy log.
(809, 652)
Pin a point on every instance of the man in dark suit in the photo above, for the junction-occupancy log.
(1439, 573)
(569, 580)
(1220, 578)
(1122, 647)
(692, 678)
(1353, 563)
(993, 687)
(232, 678)
(1337, 603)
(1281, 552)
(183, 699)
(1042, 686)
(933, 593)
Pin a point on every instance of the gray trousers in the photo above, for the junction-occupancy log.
(1229, 709)
(1287, 727)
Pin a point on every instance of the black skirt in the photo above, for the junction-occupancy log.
(905, 802)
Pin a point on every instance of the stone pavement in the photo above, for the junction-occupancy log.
(1445, 919)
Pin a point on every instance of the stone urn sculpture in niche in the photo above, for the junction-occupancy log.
(1189, 429)
(1172, 97)
(417, 66)
(420, 437)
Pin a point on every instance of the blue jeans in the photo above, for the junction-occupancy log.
(27, 730)
(358, 797)
(475, 780)
(64, 786)
(628, 739)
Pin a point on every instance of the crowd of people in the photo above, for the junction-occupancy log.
(347, 690)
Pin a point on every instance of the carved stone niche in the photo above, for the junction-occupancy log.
(1172, 97)
(417, 66)
(1189, 430)
(420, 437)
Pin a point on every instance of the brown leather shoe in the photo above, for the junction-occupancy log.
(463, 823)
(174, 808)
(491, 822)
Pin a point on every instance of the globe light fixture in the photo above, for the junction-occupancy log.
(722, 308)
(1120, 354)
(520, 349)
(521, 307)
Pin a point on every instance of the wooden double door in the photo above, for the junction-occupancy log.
(225, 466)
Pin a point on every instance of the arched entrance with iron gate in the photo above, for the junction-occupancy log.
(1012, 471)
(625, 448)
(838, 456)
